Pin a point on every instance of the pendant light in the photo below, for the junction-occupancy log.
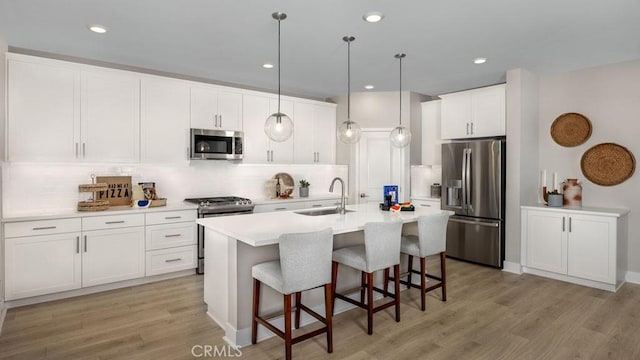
(400, 136)
(278, 126)
(349, 131)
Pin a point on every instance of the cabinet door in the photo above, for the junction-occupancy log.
(230, 111)
(43, 112)
(431, 142)
(488, 112)
(39, 265)
(430, 204)
(204, 107)
(112, 255)
(546, 241)
(110, 125)
(255, 110)
(456, 115)
(303, 137)
(324, 133)
(165, 121)
(282, 152)
(591, 248)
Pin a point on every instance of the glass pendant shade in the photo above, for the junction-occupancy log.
(278, 127)
(400, 137)
(349, 132)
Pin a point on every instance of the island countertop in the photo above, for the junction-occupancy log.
(265, 228)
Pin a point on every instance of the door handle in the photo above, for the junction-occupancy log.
(114, 222)
(488, 224)
(316, 205)
(220, 120)
(77, 150)
(77, 244)
(267, 155)
(280, 208)
(172, 260)
(85, 243)
(172, 217)
(467, 128)
(84, 149)
(172, 235)
(569, 223)
(44, 228)
(563, 219)
(427, 205)
(363, 195)
(471, 128)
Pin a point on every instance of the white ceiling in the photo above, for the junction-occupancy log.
(228, 40)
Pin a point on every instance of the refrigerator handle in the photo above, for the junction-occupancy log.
(464, 179)
(468, 184)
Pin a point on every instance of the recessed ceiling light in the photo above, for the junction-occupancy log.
(479, 60)
(373, 16)
(97, 28)
(369, 87)
(267, 66)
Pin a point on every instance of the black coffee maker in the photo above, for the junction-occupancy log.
(386, 205)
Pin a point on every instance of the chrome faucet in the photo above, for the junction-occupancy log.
(342, 208)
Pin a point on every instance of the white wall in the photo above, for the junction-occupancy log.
(35, 188)
(609, 96)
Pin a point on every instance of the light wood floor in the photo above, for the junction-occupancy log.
(489, 315)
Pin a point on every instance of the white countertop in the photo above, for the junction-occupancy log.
(114, 210)
(265, 228)
(584, 210)
(326, 196)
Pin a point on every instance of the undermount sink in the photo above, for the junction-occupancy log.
(320, 212)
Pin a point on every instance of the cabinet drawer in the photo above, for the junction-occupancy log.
(112, 221)
(433, 204)
(170, 235)
(166, 217)
(281, 206)
(41, 227)
(170, 260)
(322, 203)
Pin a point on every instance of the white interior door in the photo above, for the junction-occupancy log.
(378, 164)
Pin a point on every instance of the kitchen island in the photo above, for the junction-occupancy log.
(233, 244)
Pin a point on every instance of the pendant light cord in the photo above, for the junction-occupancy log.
(400, 91)
(279, 68)
(349, 80)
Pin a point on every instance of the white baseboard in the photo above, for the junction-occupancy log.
(632, 277)
(512, 267)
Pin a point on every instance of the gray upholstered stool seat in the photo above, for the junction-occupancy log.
(381, 250)
(431, 240)
(304, 264)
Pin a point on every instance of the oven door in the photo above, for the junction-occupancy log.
(216, 144)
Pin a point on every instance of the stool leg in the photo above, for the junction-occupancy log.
(287, 326)
(410, 270)
(298, 301)
(396, 274)
(256, 307)
(334, 282)
(328, 298)
(443, 274)
(370, 303)
(363, 284)
(423, 287)
(386, 282)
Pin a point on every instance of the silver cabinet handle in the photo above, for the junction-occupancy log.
(84, 149)
(215, 120)
(220, 120)
(114, 222)
(471, 128)
(172, 217)
(44, 228)
(318, 156)
(172, 260)
(282, 208)
(85, 243)
(76, 150)
(489, 224)
(267, 155)
(77, 244)
(316, 205)
(569, 223)
(467, 128)
(172, 235)
(563, 218)
(188, 153)
(427, 205)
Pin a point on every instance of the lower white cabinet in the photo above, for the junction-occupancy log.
(581, 246)
(173, 259)
(171, 242)
(286, 205)
(434, 204)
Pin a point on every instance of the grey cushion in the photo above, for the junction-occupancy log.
(305, 262)
(381, 248)
(432, 236)
(353, 256)
(410, 245)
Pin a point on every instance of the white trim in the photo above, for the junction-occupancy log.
(512, 267)
(632, 277)
(574, 280)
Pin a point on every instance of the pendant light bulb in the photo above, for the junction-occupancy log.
(279, 126)
(400, 136)
(349, 132)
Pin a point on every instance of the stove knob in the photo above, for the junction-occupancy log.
(201, 203)
(248, 202)
(237, 202)
(206, 203)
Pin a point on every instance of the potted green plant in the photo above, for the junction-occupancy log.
(304, 188)
(554, 199)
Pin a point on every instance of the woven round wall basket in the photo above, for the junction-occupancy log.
(571, 129)
(608, 164)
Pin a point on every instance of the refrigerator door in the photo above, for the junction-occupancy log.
(484, 179)
(476, 240)
(452, 177)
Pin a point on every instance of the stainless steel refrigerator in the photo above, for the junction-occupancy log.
(473, 184)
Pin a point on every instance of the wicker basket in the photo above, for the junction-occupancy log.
(608, 164)
(571, 129)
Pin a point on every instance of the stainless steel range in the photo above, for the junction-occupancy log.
(217, 206)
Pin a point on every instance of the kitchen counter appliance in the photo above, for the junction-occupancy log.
(473, 181)
(216, 144)
(217, 206)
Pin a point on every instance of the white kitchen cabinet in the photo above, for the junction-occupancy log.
(580, 246)
(474, 113)
(43, 264)
(428, 203)
(431, 142)
(215, 108)
(171, 241)
(257, 146)
(280, 206)
(112, 255)
(314, 133)
(59, 111)
(165, 120)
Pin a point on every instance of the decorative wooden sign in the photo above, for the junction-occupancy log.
(118, 190)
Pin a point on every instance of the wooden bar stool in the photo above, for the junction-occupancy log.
(381, 250)
(305, 263)
(431, 240)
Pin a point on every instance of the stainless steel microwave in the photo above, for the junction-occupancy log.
(216, 144)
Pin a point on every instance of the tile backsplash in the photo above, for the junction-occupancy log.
(30, 188)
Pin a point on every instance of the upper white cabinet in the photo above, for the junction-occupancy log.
(314, 133)
(431, 142)
(165, 120)
(474, 113)
(60, 112)
(258, 147)
(215, 108)
(584, 247)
